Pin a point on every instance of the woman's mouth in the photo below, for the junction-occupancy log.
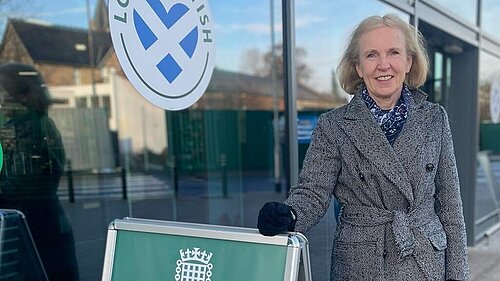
(384, 78)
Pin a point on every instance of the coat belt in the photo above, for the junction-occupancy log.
(401, 222)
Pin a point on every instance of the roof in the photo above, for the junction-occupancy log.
(60, 45)
(228, 81)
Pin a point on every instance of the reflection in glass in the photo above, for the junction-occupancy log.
(467, 9)
(489, 17)
(489, 143)
(34, 163)
(488, 73)
(438, 76)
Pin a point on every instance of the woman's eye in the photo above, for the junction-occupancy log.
(370, 56)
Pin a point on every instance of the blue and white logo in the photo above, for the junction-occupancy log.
(165, 47)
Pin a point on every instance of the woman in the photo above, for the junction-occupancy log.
(388, 158)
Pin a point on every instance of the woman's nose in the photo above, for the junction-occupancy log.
(383, 63)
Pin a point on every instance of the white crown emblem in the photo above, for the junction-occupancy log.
(194, 265)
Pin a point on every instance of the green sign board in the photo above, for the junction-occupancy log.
(159, 251)
(147, 256)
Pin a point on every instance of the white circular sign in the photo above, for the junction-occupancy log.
(166, 48)
(495, 99)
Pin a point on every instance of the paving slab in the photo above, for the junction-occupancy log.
(484, 259)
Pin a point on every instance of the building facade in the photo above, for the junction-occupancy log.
(221, 159)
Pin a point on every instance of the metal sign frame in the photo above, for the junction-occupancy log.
(297, 257)
(14, 221)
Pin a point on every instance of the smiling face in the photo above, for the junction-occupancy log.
(383, 64)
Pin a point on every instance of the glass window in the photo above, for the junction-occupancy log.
(106, 104)
(438, 76)
(489, 142)
(81, 102)
(489, 17)
(322, 31)
(224, 153)
(109, 153)
(467, 9)
(94, 101)
(76, 76)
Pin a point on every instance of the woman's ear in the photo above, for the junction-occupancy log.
(410, 63)
(358, 70)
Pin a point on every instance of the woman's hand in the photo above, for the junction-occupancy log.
(275, 218)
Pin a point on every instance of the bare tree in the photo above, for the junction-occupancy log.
(252, 62)
(302, 69)
(259, 64)
(15, 9)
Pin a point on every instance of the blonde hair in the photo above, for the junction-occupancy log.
(346, 70)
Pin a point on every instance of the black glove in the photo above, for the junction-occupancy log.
(275, 218)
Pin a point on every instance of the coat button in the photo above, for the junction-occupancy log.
(361, 177)
(429, 167)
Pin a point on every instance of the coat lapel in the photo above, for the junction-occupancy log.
(414, 133)
(369, 139)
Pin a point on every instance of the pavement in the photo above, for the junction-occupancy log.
(484, 259)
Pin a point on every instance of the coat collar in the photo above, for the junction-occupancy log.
(356, 109)
(369, 139)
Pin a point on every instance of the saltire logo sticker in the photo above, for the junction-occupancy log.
(166, 48)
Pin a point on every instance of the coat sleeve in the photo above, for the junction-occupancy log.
(311, 196)
(450, 209)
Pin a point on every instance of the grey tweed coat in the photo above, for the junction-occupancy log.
(401, 215)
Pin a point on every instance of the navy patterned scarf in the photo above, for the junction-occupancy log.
(391, 121)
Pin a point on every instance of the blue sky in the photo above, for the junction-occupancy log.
(64, 12)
